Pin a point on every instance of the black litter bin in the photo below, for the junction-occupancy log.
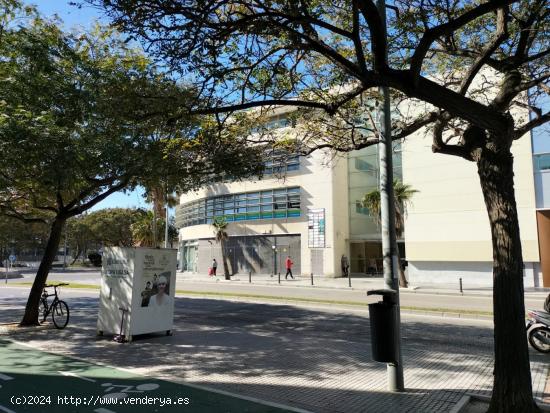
(383, 320)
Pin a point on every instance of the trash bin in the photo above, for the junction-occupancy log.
(383, 321)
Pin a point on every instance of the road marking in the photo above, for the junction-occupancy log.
(5, 377)
(68, 373)
(5, 409)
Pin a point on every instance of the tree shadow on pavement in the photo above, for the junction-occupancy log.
(313, 359)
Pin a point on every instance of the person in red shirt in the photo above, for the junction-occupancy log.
(288, 264)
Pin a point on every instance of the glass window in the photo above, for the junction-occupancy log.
(542, 162)
(277, 203)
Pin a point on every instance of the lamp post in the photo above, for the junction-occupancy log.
(387, 212)
(274, 248)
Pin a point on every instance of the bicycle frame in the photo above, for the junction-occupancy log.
(44, 298)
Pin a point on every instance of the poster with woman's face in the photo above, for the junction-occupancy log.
(156, 290)
(156, 281)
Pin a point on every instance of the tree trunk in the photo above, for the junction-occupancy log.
(31, 309)
(512, 390)
(76, 255)
(224, 259)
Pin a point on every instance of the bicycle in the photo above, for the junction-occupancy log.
(58, 308)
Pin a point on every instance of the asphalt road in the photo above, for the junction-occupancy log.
(441, 302)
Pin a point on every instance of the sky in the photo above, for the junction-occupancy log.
(73, 17)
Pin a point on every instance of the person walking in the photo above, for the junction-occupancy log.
(288, 264)
(344, 263)
(214, 266)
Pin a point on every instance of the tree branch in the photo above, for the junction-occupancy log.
(499, 36)
(538, 121)
(431, 34)
(377, 33)
(84, 207)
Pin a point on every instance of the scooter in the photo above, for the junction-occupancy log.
(538, 330)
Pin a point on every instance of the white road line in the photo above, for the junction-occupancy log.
(5, 377)
(5, 409)
(68, 373)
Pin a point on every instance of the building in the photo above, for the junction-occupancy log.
(314, 215)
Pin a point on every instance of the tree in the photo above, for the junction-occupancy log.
(467, 66)
(25, 240)
(220, 234)
(104, 227)
(143, 229)
(113, 226)
(403, 194)
(159, 199)
(76, 125)
(79, 237)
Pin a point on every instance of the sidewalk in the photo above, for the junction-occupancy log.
(357, 282)
(315, 360)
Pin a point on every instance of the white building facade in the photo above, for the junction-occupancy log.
(314, 215)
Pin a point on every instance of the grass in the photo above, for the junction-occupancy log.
(71, 285)
(359, 304)
(320, 301)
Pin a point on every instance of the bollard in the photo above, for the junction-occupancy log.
(279, 278)
(461, 292)
(349, 280)
(311, 278)
(250, 276)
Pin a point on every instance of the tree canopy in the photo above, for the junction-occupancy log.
(83, 115)
(462, 68)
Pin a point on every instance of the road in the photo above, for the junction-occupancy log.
(307, 358)
(441, 302)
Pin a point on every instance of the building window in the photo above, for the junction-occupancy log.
(542, 162)
(276, 203)
(280, 162)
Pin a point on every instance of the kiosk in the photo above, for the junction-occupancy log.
(137, 291)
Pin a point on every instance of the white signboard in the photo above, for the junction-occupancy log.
(316, 227)
(142, 281)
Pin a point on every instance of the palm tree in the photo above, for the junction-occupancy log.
(220, 226)
(160, 200)
(402, 196)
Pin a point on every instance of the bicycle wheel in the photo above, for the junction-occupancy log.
(60, 314)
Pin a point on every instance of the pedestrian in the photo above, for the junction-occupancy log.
(344, 262)
(288, 264)
(214, 266)
(547, 304)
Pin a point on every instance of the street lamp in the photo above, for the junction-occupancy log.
(274, 248)
(387, 215)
